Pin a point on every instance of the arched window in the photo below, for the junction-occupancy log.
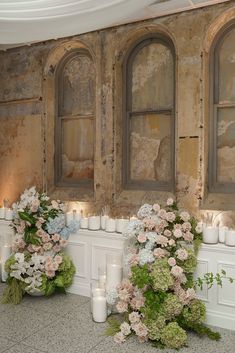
(74, 125)
(149, 99)
(222, 112)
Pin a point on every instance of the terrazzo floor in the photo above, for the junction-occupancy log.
(62, 324)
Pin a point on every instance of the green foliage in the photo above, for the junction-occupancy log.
(113, 326)
(189, 265)
(209, 279)
(203, 330)
(10, 261)
(30, 236)
(140, 276)
(173, 336)
(153, 303)
(161, 276)
(14, 292)
(25, 216)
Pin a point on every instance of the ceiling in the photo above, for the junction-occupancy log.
(28, 21)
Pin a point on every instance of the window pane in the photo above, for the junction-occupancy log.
(226, 145)
(152, 78)
(150, 147)
(78, 85)
(227, 69)
(77, 149)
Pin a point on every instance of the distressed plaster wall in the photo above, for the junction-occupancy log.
(27, 106)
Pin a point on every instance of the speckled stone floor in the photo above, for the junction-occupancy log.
(62, 324)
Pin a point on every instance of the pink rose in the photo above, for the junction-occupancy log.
(55, 237)
(162, 213)
(125, 328)
(54, 204)
(50, 273)
(188, 236)
(140, 329)
(156, 207)
(55, 266)
(182, 254)
(171, 242)
(159, 252)
(142, 238)
(34, 205)
(170, 216)
(58, 259)
(137, 302)
(161, 240)
(57, 248)
(185, 216)
(169, 201)
(171, 261)
(124, 295)
(134, 260)
(186, 226)
(47, 246)
(45, 238)
(167, 233)
(176, 271)
(177, 233)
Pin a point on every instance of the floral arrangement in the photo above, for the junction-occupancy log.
(38, 264)
(158, 301)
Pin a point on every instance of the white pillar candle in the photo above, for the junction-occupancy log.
(121, 224)
(222, 231)
(2, 212)
(68, 217)
(114, 275)
(94, 222)
(5, 254)
(210, 235)
(84, 223)
(110, 225)
(230, 237)
(8, 214)
(99, 309)
(77, 215)
(102, 281)
(98, 292)
(103, 221)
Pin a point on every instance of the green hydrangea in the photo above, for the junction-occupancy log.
(173, 336)
(161, 276)
(189, 265)
(171, 307)
(155, 327)
(195, 313)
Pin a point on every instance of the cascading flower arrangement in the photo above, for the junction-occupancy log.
(38, 264)
(158, 301)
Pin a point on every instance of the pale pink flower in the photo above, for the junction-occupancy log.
(177, 271)
(34, 205)
(122, 307)
(177, 226)
(36, 248)
(163, 224)
(162, 213)
(156, 207)
(47, 246)
(63, 243)
(186, 226)
(182, 254)
(167, 233)
(142, 339)
(41, 220)
(140, 329)
(185, 216)
(58, 259)
(38, 225)
(171, 261)
(134, 317)
(188, 236)
(170, 216)
(57, 248)
(126, 284)
(55, 266)
(55, 237)
(177, 233)
(149, 223)
(30, 248)
(137, 302)
(54, 204)
(171, 242)
(159, 252)
(50, 273)
(125, 328)
(124, 294)
(141, 238)
(45, 238)
(22, 244)
(40, 232)
(119, 337)
(161, 240)
(199, 228)
(169, 201)
(134, 260)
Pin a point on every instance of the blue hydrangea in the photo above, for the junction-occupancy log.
(146, 256)
(133, 228)
(55, 225)
(151, 236)
(111, 296)
(149, 245)
(145, 211)
(72, 227)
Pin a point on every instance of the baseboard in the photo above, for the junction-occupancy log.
(79, 289)
(215, 318)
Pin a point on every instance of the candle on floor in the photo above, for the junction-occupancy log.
(121, 224)
(110, 225)
(210, 235)
(99, 308)
(94, 223)
(103, 221)
(2, 212)
(5, 254)
(84, 223)
(8, 214)
(113, 270)
(102, 277)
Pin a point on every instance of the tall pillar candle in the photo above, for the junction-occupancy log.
(5, 254)
(103, 221)
(222, 231)
(99, 308)
(113, 270)
(8, 214)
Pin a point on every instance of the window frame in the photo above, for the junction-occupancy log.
(213, 185)
(127, 183)
(84, 183)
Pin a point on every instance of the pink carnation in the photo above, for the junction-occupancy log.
(162, 213)
(171, 261)
(156, 207)
(182, 254)
(58, 259)
(134, 259)
(134, 317)
(149, 223)
(159, 252)
(140, 329)
(177, 233)
(55, 237)
(171, 242)
(45, 238)
(142, 238)
(137, 302)
(169, 201)
(47, 246)
(177, 271)
(50, 273)
(188, 236)
(185, 216)
(186, 226)
(124, 294)
(122, 307)
(57, 248)
(170, 216)
(167, 233)
(119, 338)
(161, 240)
(125, 328)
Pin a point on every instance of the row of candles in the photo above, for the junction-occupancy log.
(213, 235)
(103, 222)
(109, 278)
(6, 213)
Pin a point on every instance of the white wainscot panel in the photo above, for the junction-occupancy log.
(79, 253)
(98, 257)
(202, 268)
(226, 293)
